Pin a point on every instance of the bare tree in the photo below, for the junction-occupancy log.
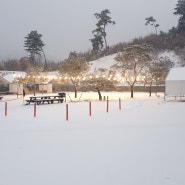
(157, 72)
(132, 62)
(99, 81)
(74, 68)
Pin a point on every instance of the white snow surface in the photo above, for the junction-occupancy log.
(172, 56)
(176, 74)
(141, 144)
(103, 63)
(108, 61)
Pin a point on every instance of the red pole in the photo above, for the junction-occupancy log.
(119, 103)
(35, 109)
(67, 113)
(5, 108)
(90, 110)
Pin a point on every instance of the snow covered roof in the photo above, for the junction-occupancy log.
(10, 76)
(176, 74)
(3, 80)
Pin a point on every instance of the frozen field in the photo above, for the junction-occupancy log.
(141, 144)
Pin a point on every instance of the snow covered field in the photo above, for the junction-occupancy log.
(141, 144)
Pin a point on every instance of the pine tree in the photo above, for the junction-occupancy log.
(34, 45)
(180, 10)
(100, 32)
(97, 43)
(152, 22)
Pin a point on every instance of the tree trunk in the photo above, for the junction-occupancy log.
(34, 88)
(155, 30)
(132, 91)
(150, 91)
(99, 94)
(156, 88)
(105, 42)
(46, 66)
(75, 92)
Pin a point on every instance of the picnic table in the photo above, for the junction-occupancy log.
(50, 99)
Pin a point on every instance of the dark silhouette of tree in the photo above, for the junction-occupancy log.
(151, 21)
(100, 32)
(34, 45)
(97, 43)
(24, 64)
(11, 65)
(180, 11)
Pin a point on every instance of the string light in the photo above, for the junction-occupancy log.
(114, 77)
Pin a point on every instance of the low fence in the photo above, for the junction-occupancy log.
(58, 88)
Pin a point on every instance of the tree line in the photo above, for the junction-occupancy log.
(137, 65)
(174, 39)
(134, 59)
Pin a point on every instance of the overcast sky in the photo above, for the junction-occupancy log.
(66, 25)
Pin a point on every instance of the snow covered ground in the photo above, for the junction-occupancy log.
(141, 144)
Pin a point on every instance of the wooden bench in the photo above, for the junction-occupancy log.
(45, 99)
(51, 101)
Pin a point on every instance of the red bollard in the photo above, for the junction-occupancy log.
(67, 113)
(90, 110)
(119, 103)
(5, 108)
(35, 109)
